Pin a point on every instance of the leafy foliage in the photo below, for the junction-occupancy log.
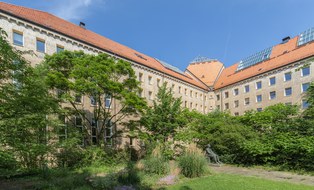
(163, 119)
(25, 104)
(100, 77)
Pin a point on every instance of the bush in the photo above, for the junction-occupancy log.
(7, 161)
(193, 163)
(156, 163)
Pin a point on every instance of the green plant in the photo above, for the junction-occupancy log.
(7, 160)
(156, 163)
(193, 162)
(107, 182)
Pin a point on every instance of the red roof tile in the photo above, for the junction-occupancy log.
(207, 71)
(74, 31)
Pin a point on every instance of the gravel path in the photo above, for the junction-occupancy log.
(267, 174)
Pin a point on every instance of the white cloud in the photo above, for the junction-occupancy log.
(75, 9)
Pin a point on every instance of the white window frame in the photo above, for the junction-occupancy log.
(19, 33)
(302, 90)
(109, 98)
(256, 86)
(307, 74)
(284, 76)
(270, 81)
(43, 41)
(286, 92)
(257, 98)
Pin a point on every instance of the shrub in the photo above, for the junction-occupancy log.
(193, 162)
(156, 163)
(107, 182)
(7, 161)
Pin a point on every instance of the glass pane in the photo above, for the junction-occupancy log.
(305, 71)
(17, 39)
(59, 49)
(40, 45)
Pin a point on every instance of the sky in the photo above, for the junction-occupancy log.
(177, 31)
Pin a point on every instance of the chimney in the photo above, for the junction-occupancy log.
(82, 24)
(286, 39)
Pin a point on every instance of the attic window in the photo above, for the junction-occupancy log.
(140, 56)
(203, 76)
(259, 69)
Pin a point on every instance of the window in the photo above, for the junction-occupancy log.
(79, 125)
(305, 86)
(218, 97)
(18, 38)
(93, 101)
(40, 45)
(236, 92)
(140, 93)
(226, 106)
(158, 82)
(186, 92)
(288, 91)
(196, 106)
(150, 80)
(258, 85)
(236, 113)
(185, 104)
(236, 103)
(108, 133)
(150, 95)
(218, 107)
(62, 128)
(247, 101)
(272, 81)
(246, 88)
(78, 98)
(305, 71)
(195, 94)
(94, 128)
(288, 76)
(140, 77)
(60, 93)
(59, 49)
(191, 105)
(259, 98)
(107, 100)
(172, 87)
(226, 94)
(305, 104)
(259, 109)
(179, 88)
(272, 95)
(191, 93)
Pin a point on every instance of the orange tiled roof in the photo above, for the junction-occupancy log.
(282, 54)
(207, 71)
(69, 29)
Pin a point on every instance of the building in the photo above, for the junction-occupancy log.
(265, 78)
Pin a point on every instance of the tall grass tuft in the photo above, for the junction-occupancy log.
(193, 162)
(156, 163)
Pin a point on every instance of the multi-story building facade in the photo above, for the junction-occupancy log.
(265, 78)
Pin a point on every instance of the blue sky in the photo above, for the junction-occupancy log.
(177, 31)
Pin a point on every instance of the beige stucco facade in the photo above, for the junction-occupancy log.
(281, 89)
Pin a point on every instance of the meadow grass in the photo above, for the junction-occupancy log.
(235, 182)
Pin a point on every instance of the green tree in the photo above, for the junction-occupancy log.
(25, 105)
(162, 119)
(102, 78)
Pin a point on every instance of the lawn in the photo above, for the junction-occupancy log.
(235, 182)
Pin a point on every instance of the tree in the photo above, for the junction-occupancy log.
(103, 79)
(163, 119)
(25, 105)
